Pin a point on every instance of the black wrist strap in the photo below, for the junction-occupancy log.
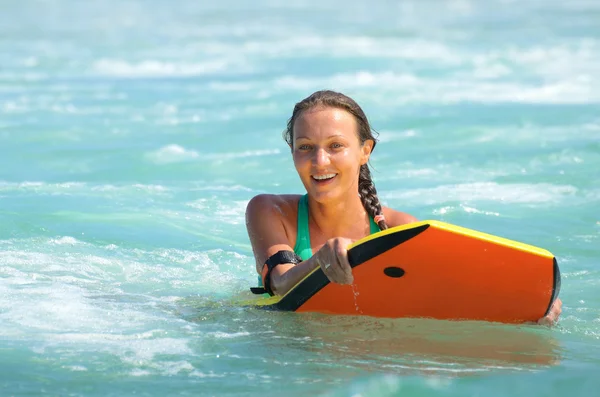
(274, 260)
(282, 257)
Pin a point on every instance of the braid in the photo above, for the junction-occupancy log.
(368, 195)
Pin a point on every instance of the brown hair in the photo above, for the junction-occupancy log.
(326, 98)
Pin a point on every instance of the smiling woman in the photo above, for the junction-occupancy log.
(292, 235)
(331, 142)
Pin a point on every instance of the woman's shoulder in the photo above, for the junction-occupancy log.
(281, 205)
(397, 218)
(270, 200)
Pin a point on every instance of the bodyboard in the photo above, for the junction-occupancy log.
(432, 269)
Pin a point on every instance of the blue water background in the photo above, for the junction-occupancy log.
(133, 133)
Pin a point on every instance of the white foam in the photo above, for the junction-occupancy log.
(232, 213)
(30, 184)
(150, 188)
(390, 136)
(13, 107)
(576, 274)
(243, 154)
(520, 134)
(472, 210)
(360, 79)
(210, 374)
(172, 154)
(225, 335)
(139, 350)
(580, 60)
(414, 49)
(140, 372)
(155, 68)
(82, 300)
(486, 191)
(227, 86)
(30, 265)
(27, 185)
(57, 307)
(69, 188)
(76, 368)
(565, 73)
(145, 350)
(222, 188)
(447, 90)
(175, 367)
(493, 77)
(589, 238)
(257, 108)
(444, 210)
(66, 240)
(447, 173)
(451, 209)
(418, 49)
(418, 172)
(159, 189)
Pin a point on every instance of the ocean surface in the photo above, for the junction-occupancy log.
(133, 134)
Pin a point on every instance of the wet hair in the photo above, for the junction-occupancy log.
(332, 99)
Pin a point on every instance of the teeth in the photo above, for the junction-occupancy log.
(322, 177)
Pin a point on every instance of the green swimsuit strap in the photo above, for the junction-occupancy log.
(374, 227)
(302, 247)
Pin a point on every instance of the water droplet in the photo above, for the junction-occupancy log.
(355, 294)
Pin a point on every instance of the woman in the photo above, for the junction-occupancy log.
(291, 235)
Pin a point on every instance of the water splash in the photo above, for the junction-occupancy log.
(355, 294)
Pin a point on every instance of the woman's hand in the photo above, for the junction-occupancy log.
(553, 314)
(333, 260)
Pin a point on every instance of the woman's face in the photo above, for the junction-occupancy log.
(327, 152)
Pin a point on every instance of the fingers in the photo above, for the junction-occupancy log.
(333, 260)
(553, 315)
(330, 265)
(342, 260)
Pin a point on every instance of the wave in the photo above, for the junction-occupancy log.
(519, 193)
(411, 88)
(67, 188)
(230, 213)
(172, 154)
(468, 209)
(175, 153)
(155, 68)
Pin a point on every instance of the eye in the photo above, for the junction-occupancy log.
(304, 147)
(336, 145)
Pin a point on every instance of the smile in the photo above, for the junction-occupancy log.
(323, 177)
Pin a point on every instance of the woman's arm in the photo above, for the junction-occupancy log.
(396, 218)
(266, 217)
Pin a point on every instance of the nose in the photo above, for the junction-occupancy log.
(321, 157)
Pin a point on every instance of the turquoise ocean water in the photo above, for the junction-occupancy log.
(133, 133)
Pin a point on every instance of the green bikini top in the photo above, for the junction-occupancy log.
(302, 247)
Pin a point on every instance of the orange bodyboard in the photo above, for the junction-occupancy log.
(436, 270)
